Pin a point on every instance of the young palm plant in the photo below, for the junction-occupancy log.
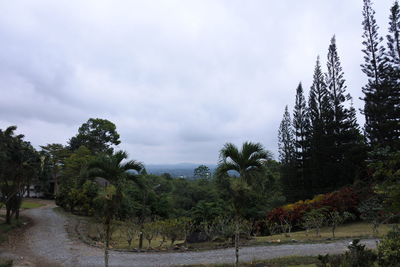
(248, 164)
(115, 171)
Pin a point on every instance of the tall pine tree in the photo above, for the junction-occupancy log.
(286, 141)
(342, 126)
(393, 38)
(377, 91)
(301, 127)
(287, 157)
(393, 78)
(320, 140)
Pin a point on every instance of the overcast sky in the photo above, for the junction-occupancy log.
(179, 78)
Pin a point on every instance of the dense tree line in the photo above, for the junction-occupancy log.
(19, 167)
(323, 148)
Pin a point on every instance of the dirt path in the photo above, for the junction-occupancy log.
(46, 243)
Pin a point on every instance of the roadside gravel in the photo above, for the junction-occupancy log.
(47, 243)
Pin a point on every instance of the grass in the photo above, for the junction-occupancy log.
(351, 230)
(88, 231)
(291, 261)
(119, 240)
(27, 204)
(6, 228)
(348, 231)
(6, 262)
(30, 204)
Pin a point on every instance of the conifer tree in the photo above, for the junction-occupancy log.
(393, 77)
(301, 125)
(336, 89)
(393, 38)
(318, 101)
(342, 126)
(286, 141)
(301, 128)
(320, 139)
(377, 90)
(375, 64)
(287, 157)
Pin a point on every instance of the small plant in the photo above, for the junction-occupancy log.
(330, 260)
(335, 218)
(150, 230)
(372, 211)
(389, 249)
(314, 219)
(273, 227)
(358, 255)
(131, 230)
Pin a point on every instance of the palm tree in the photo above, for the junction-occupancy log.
(116, 173)
(248, 163)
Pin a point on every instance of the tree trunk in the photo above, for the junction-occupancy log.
(8, 214)
(55, 184)
(29, 189)
(141, 237)
(237, 242)
(17, 214)
(107, 243)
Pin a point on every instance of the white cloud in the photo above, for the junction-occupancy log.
(179, 78)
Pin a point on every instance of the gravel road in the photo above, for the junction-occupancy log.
(47, 243)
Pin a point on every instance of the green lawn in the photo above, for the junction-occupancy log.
(27, 204)
(30, 204)
(351, 230)
(291, 261)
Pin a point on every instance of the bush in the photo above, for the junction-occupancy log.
(343, 200)
(389, 249)
(357, 256)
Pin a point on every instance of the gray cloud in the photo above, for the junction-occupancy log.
(179, 78)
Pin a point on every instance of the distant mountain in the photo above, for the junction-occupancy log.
(182, 170)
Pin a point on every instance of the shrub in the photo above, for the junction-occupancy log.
(314, 219)
(343, 200)
(389, 249)
(357, 256)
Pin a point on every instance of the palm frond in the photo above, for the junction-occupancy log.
(229, 151)
(10, 130)
(224, 168)
(133, 165)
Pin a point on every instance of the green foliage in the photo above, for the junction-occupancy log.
(19, 166)
(372, 211)
(202, 172)
(335, 218)
(98, 135)
(77, 192)
(356, 256)
(55, 155)
(385, 167)
(314, 219)
(151, 230)
(381, 98)
(171, 229)
(6, 262)
(389, 249)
